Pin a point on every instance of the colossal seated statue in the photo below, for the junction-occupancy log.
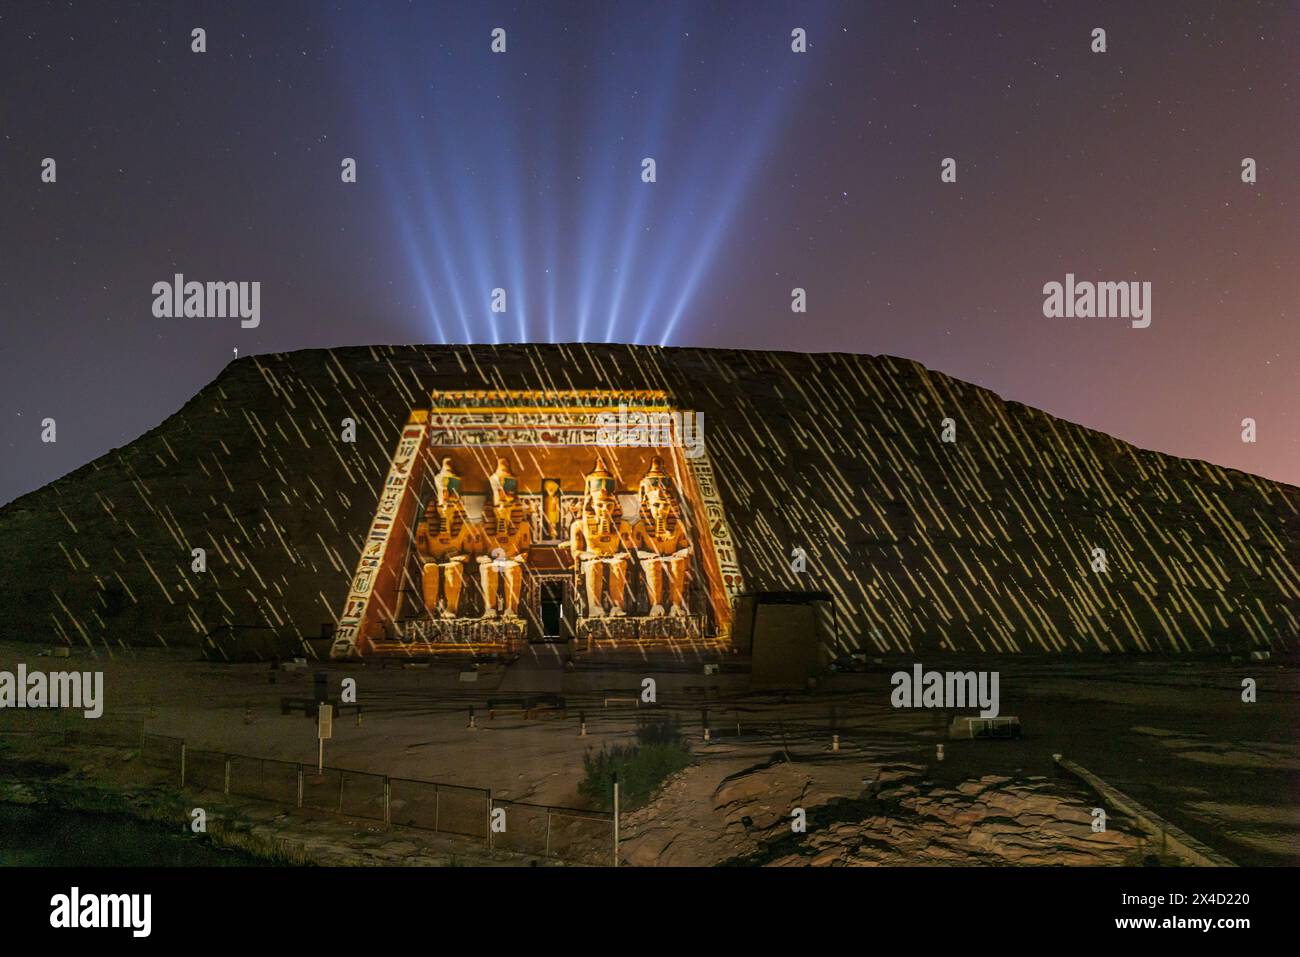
(662, 544)
(445, 539)
(599, 540)
(507, 536)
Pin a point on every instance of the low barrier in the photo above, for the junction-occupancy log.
(543, 830)
(264, 778)
(566, 833)
(558, 833)
(1171, 840)
(160, 751)
(445, 808)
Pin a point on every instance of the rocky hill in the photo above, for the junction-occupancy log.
(986, 543)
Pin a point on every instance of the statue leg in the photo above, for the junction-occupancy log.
(677, 585)
(594, 609)
(617, 579)
(653, 587)
(429, 588)
(452, 581)
(490, 577)
(514, 585)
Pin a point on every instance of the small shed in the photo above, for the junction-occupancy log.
(787, 635)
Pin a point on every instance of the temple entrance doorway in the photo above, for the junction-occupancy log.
(552, 609)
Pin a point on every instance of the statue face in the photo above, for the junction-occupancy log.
(448, 509)
(603, 503)
(660, 506)
(509, 491)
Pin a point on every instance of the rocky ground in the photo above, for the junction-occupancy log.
(897, 816)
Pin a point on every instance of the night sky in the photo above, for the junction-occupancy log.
(775, 170)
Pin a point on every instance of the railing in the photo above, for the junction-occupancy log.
(263, 778)
(444, 808)
(161, 751)
(552, 832)
(567, 833)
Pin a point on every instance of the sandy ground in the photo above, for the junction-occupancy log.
(1174, 735)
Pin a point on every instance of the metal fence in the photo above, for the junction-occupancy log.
(160, 751)
(555, 832)
(551, 832)
(445, 808)
(264, 778)
(120, 732)
(349, 793)
(206, 770)
(71, 728)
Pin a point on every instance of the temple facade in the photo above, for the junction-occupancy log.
(588, 517)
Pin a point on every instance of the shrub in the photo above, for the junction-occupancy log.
(641, 768)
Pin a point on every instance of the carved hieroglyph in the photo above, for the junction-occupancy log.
(384, 544)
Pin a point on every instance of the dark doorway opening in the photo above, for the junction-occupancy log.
(552, 609)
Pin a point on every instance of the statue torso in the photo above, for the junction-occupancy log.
(441, 540)
(507, 530)
(603, 541)
(662, 538)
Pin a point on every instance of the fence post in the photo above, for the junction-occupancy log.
(616, 820)
(548, 832)
(437, 806)
(300, 785)
(182, 763)
(341, 779)
(227, 788)
(489, 818)
(388, 802)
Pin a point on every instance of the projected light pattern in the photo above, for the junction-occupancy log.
(494, 179)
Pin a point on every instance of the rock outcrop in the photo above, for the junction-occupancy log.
(987, 543)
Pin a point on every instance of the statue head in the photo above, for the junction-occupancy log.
(657, 496)
(446, 485)
(600, 493)
(600, 484)
(505, 487)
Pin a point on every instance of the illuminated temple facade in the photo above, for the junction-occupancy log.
(586, 516)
